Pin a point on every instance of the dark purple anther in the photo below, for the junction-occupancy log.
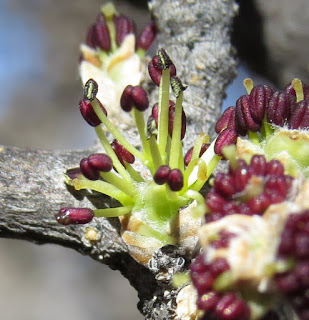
(155, 112)
(74, 173)
(258, 101)
(226, 137)
(188, 155)
(242, 177)
(122, 153)
(147, 36)
(88, 171)
(243, 118)
(161, 175)
(98, 34)
(219, 265)
(214, 201)
(88, 113)
(224, 184)
(208, 301)
(139, 98)
(124, 26)
(70, 215)
(258, 165)
(300, 116)
(259, 203)
(228, 116)
(100, 162)
(280, 107)
(202, 281)
(175, 180)
(171, 116)
(155, 71)
(126, 101)
(274, 167)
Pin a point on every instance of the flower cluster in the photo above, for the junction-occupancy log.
(152, 199)
(257, 212)
(112, 56)
(276, 123)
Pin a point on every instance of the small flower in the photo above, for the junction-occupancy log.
(113, 58)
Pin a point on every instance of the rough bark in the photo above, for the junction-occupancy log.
(31, 182)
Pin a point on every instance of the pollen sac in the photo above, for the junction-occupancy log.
(161, 175)
(122, 153)
(98, 34)
(88, 113)
(175, 180)
(100, 162)
(155, 71)
(188, 155)
(124, 26)
(88, 171)
(258, 101)
(226, 137)
(90, 89)
(147, 36)
(164, 60)
(139, 98)
(171, 116)
(226, 120)
(243, 117)
(70, 215)
(177, 86)
(300, 116)
(280, 107)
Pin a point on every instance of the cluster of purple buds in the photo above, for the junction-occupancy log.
(248, 189)
(263, 106)
(173, 177)
(99, 36)
(294, 246)
(216, 305)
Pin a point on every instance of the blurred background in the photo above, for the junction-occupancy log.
(40, 89)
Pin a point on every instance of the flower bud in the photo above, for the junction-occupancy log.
(126, 101)
(88, 171)
(280, 107)
(226, 137)
(124, 26)
(88, 113)
(139, 98)
(171, 117)
(243, 117)
(161, 175)
(258, 101)
(70, 215)
(299, 118)
(100, 162)
(122, 153)
(147, 36)
(175, 180)
(227, 118)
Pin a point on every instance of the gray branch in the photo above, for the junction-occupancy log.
(32, 188)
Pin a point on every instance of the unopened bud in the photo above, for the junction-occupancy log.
(100, 162)
(88, 171)
(161, 175)
(226, 137)
(124, 26)
(175, 180)
(228, 116)
(300, 116)
(147, 36)
(126, 102)
(139, 98)
(70, 215)
(122, 153)
(88, 113)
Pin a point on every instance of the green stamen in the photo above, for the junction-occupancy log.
(176, 141)
(112, 212)
(163, 110)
